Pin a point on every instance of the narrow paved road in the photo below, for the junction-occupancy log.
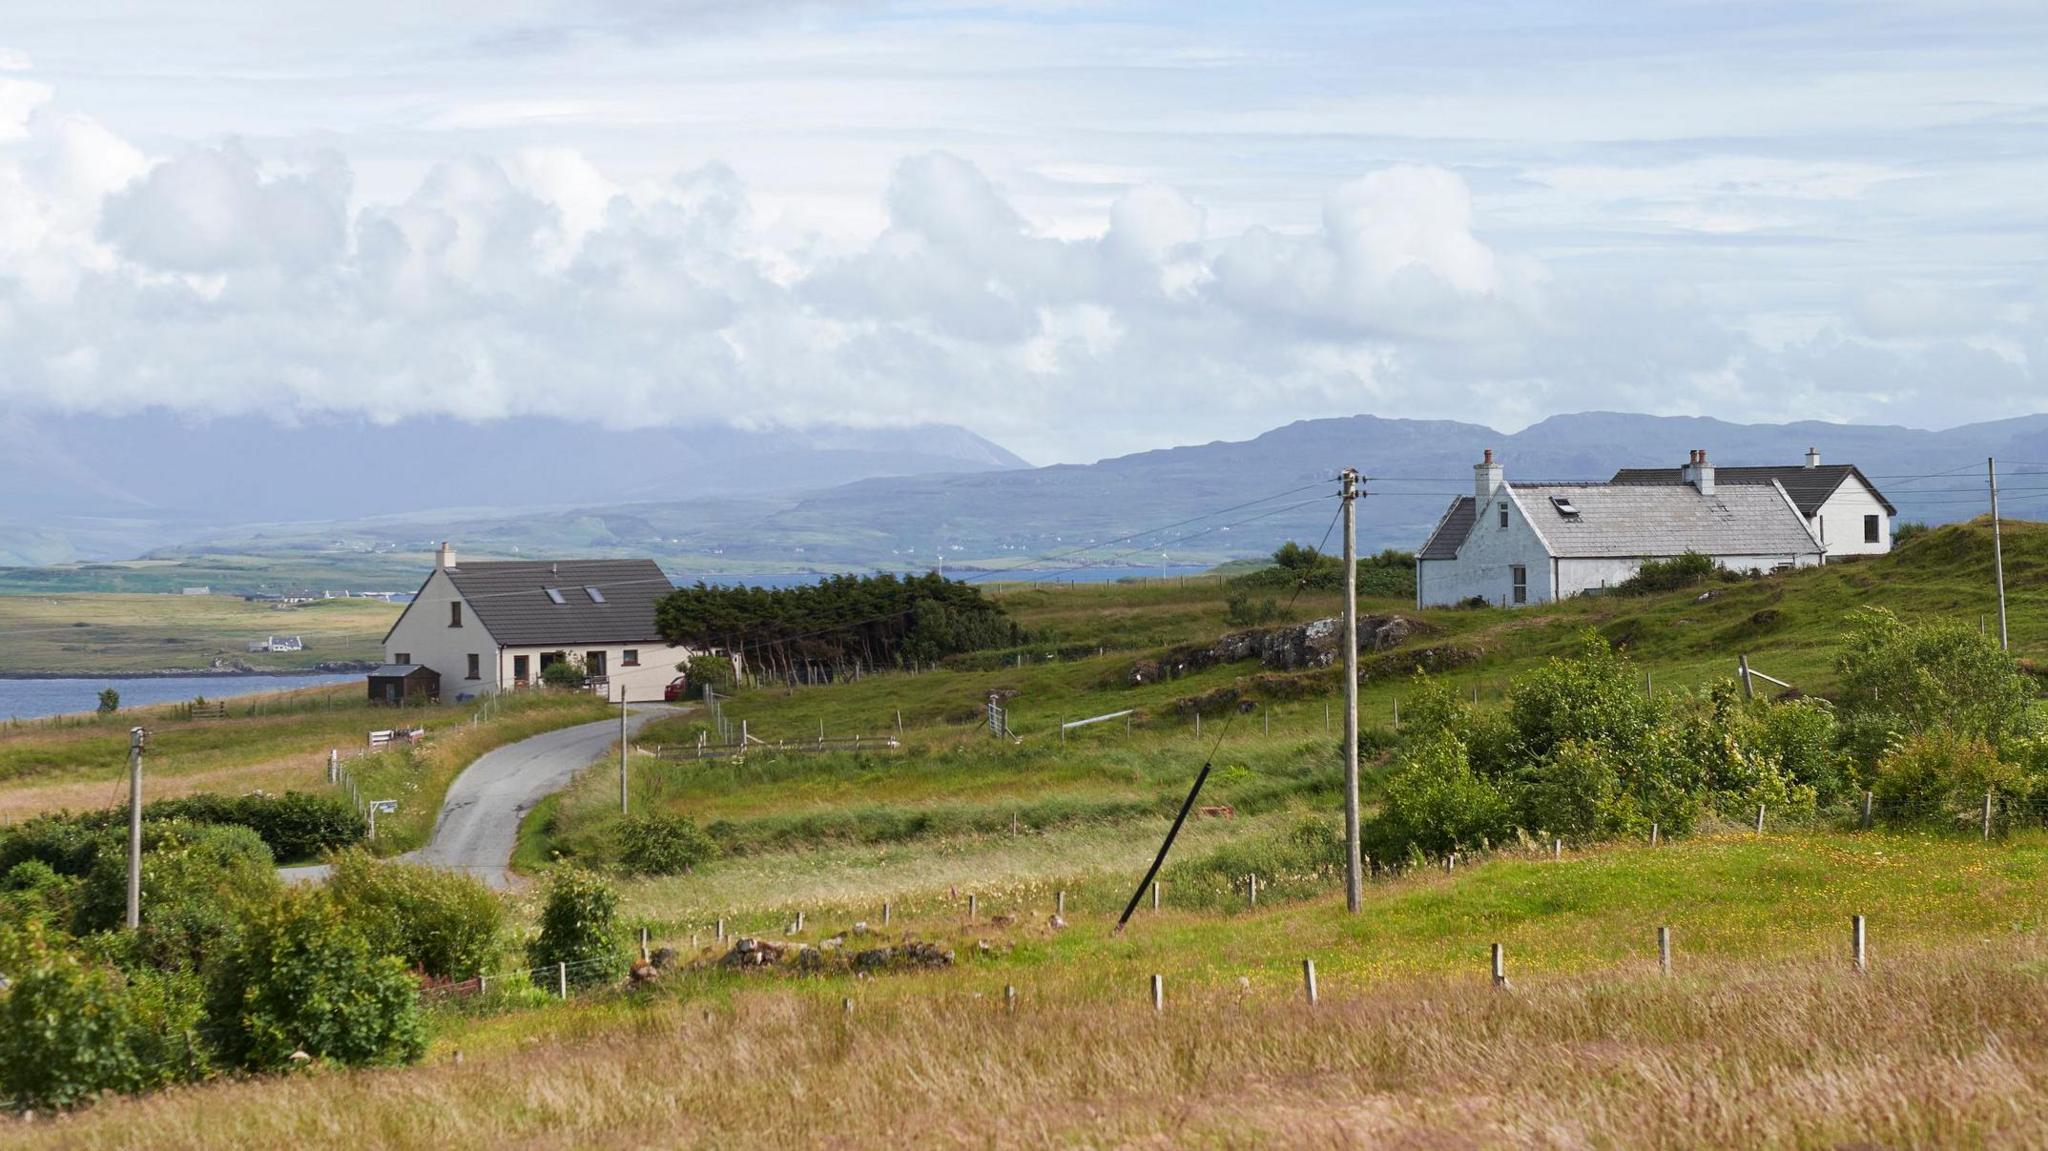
(479, 822)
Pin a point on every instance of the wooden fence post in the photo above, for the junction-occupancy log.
(1866, 811)
(562, 979)
(1987, 815)
(1010, 998)
(1500, 966)
(1155, 895)
(1664, 949)
(1557, 849)
(644, 958)
(720, 937)
(1308, 980)
(1856, 943)
(1158, 994)
(1059, 904)
(1759, 819)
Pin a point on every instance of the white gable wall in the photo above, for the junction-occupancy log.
(643, 682)
(1839, 522)
(1485, 563)
(422, 636)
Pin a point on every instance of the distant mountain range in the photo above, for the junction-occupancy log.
(95, 487)
(757, 502)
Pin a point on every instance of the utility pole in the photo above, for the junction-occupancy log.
(622, 748)
(135, 737)
(1354, 882)
(1998, 553)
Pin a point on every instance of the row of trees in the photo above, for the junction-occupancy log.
(809, 631)
(1930, 715)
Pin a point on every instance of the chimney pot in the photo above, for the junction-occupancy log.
(1489, 455)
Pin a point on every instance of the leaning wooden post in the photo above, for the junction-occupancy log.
(1856, 943)
(1500, 966)
(1158, 994)
(1748, 687)
(1664, 949)
(1308, 980)
(1759, 819)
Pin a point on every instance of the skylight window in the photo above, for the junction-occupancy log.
(1564, 507)
(595, 595)
(555, 595)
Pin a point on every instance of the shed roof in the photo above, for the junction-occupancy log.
(1630, 520)
(398, 670)
(510, 598)
(1808, 487)
(1451, 531)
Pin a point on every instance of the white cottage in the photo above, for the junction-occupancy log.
(495, 625)
(1847, 513)
(1533, 543)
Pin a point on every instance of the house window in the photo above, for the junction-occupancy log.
(1520, 575)
(455, 614)
(476, 666)
(1503, 514)
(401, 657)
(630, 657)
(593, 664)
(1870, 529)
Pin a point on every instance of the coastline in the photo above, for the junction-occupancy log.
(339, 667)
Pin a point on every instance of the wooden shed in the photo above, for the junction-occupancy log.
(403, 683)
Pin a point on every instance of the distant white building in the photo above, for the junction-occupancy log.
(496, 625)
(1515, 544)
(1847, 513)
(195, 591)
(278, 643)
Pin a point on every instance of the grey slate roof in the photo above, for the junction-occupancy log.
(396, 670)
(1629, 520)
(1450, 533)
(1808, 487)
(510, 598)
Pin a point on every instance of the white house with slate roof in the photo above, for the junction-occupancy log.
(493, 626)
(1515, 544)
(1847, 513)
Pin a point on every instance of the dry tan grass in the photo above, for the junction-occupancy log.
(303, 771)
(1931, 1049)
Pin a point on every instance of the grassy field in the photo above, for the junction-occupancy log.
(273, 742)
(1764, 1035)
(99, 634)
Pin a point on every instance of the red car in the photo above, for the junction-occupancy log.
(677, 690)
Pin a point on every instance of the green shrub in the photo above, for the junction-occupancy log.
(31, 891)
(567, 673)
(59, 841)
(1297, 863)
(196, 882)
(70, 1028)
(662, 845)
(1434, 802)
(1240, 611)
(1593, 697)
(1688, 570)
(301, 977)
(443, 924)
(296, 825)
(1578, 795)
(110, 701)
(1940, 777)
(579, 927)
(1390, 574)
(712, 670)
(1904, 678)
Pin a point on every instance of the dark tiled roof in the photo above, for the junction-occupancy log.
(511, 599)
(1451, 532)
(1808, 487)
(397, 670)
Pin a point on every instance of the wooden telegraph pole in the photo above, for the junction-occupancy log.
(135, 737)
(1354, 881)
(1997, 552)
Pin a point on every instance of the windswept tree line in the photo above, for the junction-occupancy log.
(819, 631)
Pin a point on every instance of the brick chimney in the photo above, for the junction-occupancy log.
(1699, 473)
(1487, 476)
(444, 556)
(1813, 457)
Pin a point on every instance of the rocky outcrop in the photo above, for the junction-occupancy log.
(1299, 647)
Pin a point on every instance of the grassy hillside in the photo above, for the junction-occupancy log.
(1763, 1035)
(90, 634)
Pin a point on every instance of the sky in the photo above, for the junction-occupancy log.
(1079, 229)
